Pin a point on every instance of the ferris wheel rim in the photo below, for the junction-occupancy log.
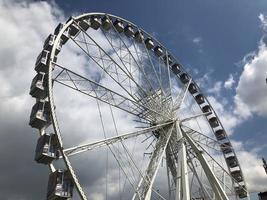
(50, 81)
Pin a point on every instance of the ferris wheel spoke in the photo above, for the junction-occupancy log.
(141, 68)
(144, 187)
(93, 89)
(180, 98)
(166, 105)
(116, 64)
(112, 140)
(202, 138)
(148, 91)
(147, 100)
(106, 64)
(195, 116)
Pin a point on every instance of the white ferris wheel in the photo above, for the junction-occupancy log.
(108, 92)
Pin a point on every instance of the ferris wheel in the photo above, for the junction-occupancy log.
(108, 92)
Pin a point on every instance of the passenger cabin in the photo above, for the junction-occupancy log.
(95, 22)
(192, 88)
(237, 175)
(84, 24)
(232, 161)
(226, 148)
(65, 36)
(200, 99)
(206, 109)
(47, 149)
(106, 23)
(184, 78)
(39, 86)
(74, 29)
(60, 185)
(139, 36)
(241, 191)
(49, 42)
(129, 31)
(158, 51)
(118, 25)
(149, 43)
(214, 122)
(176, 68)
(220, 134)
(167, 59)
(40, 115)
(41, 64)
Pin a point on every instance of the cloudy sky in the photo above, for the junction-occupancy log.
(222, 44)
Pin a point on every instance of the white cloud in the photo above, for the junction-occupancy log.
(263, 20)
(251, 96)
(228, 84)
(216, 89)
(197, 40)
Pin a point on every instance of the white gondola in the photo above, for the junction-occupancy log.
(139, 36)
(158, 51)
(84, 24)
(176, 68)
(41, 64)
(129, 31)
(60, 185)
(214, 122)
(237, 175)
(74, 30)
(167, 59)
(39, 86)
(40, 115)
(95, 22)
(220, 134)
(65, 36)
(49, 42)
(226, 148)
(42, 61)
(106, 23)
(184, 78)
(192, 88)
(241, 192)
(149, 43)
(200, 99)
(118, 25)
(206, 109)
(232, 161)
(47, 149)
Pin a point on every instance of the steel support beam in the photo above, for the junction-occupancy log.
(93, 145)
(217, 188)
(182, 183)
(144, 188)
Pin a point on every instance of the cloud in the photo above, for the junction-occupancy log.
(197, 40)
(228, 84)
(24, 26)
(263, 20)
(216, 88)
(251, 93)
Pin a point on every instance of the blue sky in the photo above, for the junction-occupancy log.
(218, 42)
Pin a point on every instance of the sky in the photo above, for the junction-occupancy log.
(222, 44)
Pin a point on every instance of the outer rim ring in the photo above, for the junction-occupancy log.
(52, 104)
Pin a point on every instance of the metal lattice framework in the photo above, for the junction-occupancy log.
(139, 77)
